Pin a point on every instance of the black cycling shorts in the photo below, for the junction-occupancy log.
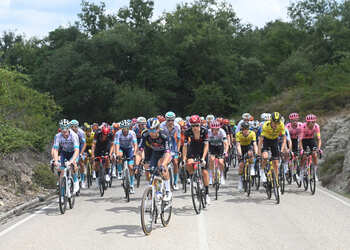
(217, 151)
(195, 150)
(309, 143)
(272, 145)
(294, 145)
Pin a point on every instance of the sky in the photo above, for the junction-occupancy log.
(39, 17)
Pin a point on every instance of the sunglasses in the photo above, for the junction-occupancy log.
(169, 120)
(194, 126)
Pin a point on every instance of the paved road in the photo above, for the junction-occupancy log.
(301, 221)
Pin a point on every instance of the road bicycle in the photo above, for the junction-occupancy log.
(308, 173)
(153, 203)
(102, 184)
(66, 188)
(197, 187)
(272, 182)
(247, 178)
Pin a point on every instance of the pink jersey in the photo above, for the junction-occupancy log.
(307, 133)
(294, 132)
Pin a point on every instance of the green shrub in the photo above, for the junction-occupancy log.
(44, 177)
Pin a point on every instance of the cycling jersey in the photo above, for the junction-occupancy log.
(307, 133)
(90, 139)
(161, 143)
(270, 133)
(138, 132)
(246, 140)
(125, 141)
(217, 139)
(196, 146)
(175, 132)
(81, 135)
(102, 147)
(67, 144)
(294, 131)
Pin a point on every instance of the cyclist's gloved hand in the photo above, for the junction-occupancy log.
(226, 154)
(301, 152)
(203, 162)
(320, 152)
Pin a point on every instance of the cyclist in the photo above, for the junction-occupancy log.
(173, 131)
(126, 144)
(138, 129)
(309, 130)
(68, 143)
(90, 135)
(74, 124)
(210, 118)
(245, 142)
(268, 139)
(245, 118)
(218, 147)
(101, 146)
(196, 146)
(294, 127)
(285, 152)
(157, 144)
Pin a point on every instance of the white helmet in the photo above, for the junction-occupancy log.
(282, 119)
(246, 116)
(210, 118)
(267, 117)
(262, 116)
(178, 119)
(141, 120)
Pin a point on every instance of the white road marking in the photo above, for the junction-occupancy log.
(2, 233)
(335, 197)
(202, 233)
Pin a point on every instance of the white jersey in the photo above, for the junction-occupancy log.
(67, 144)
(217, 139)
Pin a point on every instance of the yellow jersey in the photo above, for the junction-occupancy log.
(245, 140)
(270, 133)
(90, 139)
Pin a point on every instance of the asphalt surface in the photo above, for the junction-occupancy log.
(234, 221)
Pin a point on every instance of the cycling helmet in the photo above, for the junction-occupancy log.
(188, 118)
(215, 124)
(202, 118)
(160, 118)
(141, 120)
(251, 123)
(116, 125)
(74, 123)
(170, 116)
(182, 123)
(64, 124)
(263, 116)
(246, 116)
(225, 122)
(251, 118)
(195, 119)
(178, 119)
(293, 116)
(282, 119)
(267, 117)
(125, 124)
(276, 117)
(210, 118)
(256, 124)
(310, 118)
(232, 122)
(105, 130)
(153, 123)
(245, 125)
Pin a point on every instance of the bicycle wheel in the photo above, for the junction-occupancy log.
(196, 194)
(71, 200)
(289, 176)
(88, 174)
(217, 182)
(275, 187)
(248, 181)
(62, 195)
(166, 209)
(183, 177)
(281, 178)
(171, 176)
(101, 181)
(312, 179)
(126, 182)
(257, 176)
(147, 211)
(138, 177)
(297, 181)
(268, 186)
(306, 180)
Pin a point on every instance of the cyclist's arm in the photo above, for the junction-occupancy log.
(238, 146)
(225, 146)
(75, 155)
(205, 151)
(284, 148)
(261, 140)
(184, 152)
(255, 147)
(93, 149)
(319, 142)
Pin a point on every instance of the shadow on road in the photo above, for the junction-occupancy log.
(184, 211)
(120, 210)
(256, 200)
(128, 231)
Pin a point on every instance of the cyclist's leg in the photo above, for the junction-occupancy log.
(119, 163)
(275, 153)
(211, 167)
(129, 153)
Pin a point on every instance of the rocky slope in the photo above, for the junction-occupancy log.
(16, 182)
(335, 166)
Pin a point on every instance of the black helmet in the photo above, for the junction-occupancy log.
(245, 125)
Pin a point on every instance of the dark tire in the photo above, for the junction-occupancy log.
(62, 195)
(275, 187)
(165, 215)
(298, 182)
(312, 179)
(248, 182)
(281, 178)
(101, 181)
(306, 181)
(196, 194)
(171, 178)
(126, 184)
(268, 187)
(216, 184)
(88, 175)
(71, 200)
(257, 176)
(138, 177)
(147, 214)
(289, 176)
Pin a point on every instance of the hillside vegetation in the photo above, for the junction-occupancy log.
(199, 58)
(26, 116)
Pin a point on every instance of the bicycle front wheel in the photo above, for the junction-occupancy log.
(147, 211)
(196, 194)
(312, 179)
(281, 177)
(275, 188)
(127, 183)
(101, 181)
(166, 209)
(71, 200)
(248, 181)
(62, 195)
